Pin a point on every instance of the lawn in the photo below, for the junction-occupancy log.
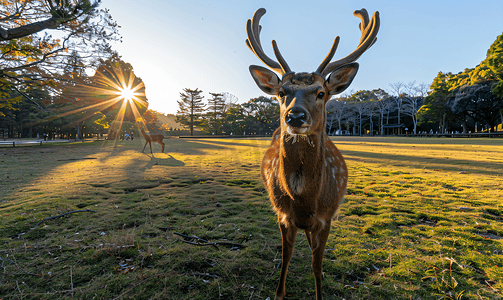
(422, 220)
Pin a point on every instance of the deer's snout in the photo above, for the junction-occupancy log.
(296, 117)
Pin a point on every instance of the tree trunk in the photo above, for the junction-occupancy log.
(360, 128)
(382, 124)
(371, 125)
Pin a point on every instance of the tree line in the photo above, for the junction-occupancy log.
(466, 102)
(223, 115)
(471, 99)
(46, 87)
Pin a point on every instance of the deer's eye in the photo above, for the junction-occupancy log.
(281, 94)
(321, 95)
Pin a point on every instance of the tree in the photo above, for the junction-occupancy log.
(408, 99)
(477, 101)
(83, 26)
(494, 61)
(216, 106)
(435, 107)
(369, 109)
(150, 120)
(350, 117)
(234, 120)
(336, 109)
(397, 90)
(191, 107)
(382, 106)
(359, 110)
(261, 115)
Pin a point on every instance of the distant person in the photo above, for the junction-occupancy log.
(45, 136)
(132, 135)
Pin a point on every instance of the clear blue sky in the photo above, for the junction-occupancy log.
(177, 44)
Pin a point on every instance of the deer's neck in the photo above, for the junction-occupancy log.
(301, 165)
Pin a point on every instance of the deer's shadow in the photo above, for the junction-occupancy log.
(165, 160)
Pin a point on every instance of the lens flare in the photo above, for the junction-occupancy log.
(113, 91)
(127, 94)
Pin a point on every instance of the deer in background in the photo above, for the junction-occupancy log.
(152, 138)
(304, 173)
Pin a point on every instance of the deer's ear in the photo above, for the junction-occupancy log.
(341, 78)
(265, 79)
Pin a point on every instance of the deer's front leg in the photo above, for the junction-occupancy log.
(288, 235)
(318, 242)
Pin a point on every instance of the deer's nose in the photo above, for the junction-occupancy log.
(296, 117)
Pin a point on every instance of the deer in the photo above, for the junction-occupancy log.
(149, 138)
(304, 173)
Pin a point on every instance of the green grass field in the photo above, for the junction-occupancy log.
(422, 220)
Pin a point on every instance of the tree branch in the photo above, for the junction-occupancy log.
(62, 215)
(27, 97)
(54, 217)
(44, 57)
(203, 242)
(26, 30)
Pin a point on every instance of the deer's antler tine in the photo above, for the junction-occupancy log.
(253, 42)
(282, 62)
(364, 17)
(330, 55)
(369, 32)
(256, 24)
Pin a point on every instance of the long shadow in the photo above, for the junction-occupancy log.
(169, 161)
(188, 147)
(493, 168)
(418, 140)
(221, 143)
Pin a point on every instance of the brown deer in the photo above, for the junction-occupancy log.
(152, 138)
(304, 173)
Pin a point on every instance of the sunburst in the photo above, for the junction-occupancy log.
(113, 87)
(128, 94)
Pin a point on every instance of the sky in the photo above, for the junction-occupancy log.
(178, 44)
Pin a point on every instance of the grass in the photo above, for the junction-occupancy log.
(422, 220)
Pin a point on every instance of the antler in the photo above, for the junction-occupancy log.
(368, 38)
(253, 42)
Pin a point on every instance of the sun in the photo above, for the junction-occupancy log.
(127, 93)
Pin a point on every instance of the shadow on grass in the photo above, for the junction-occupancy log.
(222, 143)
(169, 161)
(490, 168)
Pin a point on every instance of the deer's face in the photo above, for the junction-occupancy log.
(302, 96)
(302, 99)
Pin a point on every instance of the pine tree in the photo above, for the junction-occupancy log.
(191, 107)
(216, 107)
